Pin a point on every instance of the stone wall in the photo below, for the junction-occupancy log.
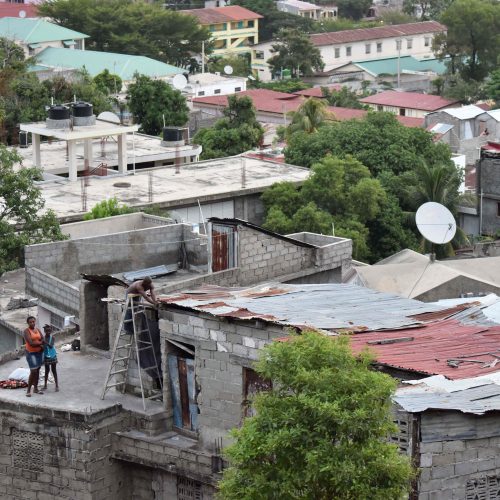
(459, 456)
(53, 291)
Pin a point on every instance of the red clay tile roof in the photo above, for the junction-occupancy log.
(316, 91)
(222, 14)
(270, 101)
(432, 346)
(412, 100)
(14, 9)
(393, 31)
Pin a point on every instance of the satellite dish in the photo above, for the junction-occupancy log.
(228, 70)
(435, 223)
(107, 116)
(22, 13)
(179, 81)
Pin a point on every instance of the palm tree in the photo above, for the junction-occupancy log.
(438, 183)
(310, 115)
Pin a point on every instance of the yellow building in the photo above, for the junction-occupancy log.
(234, 29)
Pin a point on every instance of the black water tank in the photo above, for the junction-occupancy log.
(23, 139)
(82, 109)
(171, 134)
(59, 112)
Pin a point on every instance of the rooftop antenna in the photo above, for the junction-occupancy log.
(228, 70)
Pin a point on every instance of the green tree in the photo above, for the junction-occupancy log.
(237, 132)
(465, 91)
(107, 208)
(129, 27)
(493, 87)
(472, 37)
(152, 101)
(239, 63)
(295, 51)
(353, 9)
(108, 83)
(287, 86)
(22, 219)
(317, 434)
(309, 117)
(343, 98)
(429, 9)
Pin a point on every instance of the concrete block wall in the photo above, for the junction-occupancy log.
(222, 348)
(263, 256)
(107, 254)
(47, 454)
(53, 291)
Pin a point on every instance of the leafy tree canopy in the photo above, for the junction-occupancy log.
(472, 37)
(493, 87)
(152, 100)
(287, 86)
(310, 115)
(344, 98)
(107, 208)
(108, 83)
(294, 51)
(130, 27)
(237, 132)
(429, 9)
(317, 434)
(239, 63)
(353, 9)
(21, 204)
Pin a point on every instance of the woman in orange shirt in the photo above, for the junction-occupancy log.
(34, 354)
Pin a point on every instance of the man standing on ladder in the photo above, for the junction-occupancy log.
(137, 290)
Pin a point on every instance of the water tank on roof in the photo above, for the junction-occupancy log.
(172, 134)
(82, 109)
(59, 112)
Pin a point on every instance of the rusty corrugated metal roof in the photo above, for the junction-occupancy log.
(323, 306)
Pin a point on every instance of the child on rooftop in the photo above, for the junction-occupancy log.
(50, 356)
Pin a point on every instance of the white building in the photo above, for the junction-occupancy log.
(209, 84)
(343, 47)
(307, 9)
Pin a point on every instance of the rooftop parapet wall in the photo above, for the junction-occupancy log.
(108, 254)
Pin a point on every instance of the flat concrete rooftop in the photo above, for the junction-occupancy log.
(81, 379)
(206, 181)
(147, 149)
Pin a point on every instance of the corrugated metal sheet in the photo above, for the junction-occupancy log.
(434, 345)
(324, 306)
(152, 272)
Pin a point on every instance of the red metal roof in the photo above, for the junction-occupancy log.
(362, 34)
(411, 100)
(15, 10)
(222, 14)
(270, 101)
(316, 91)
(433, 345)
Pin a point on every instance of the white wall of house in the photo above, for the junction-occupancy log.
(312, 13)
(200, 86)
(30, 52)
(419, 46)
(398, 110)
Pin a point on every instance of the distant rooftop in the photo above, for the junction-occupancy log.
(414, 100)
(465, 112)
(123, 65)
(300, 4)
(209, 180)
(217, 15)
(20, 10)
(34, 30)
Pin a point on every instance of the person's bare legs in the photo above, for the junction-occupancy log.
(46, 376)
(54, 372)
(35, 382)
(31, 381)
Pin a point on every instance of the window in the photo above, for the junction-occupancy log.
(56, 321)
(337, 53)
(201, 93)
(259, 54)
(409, 43)
(31, 51)
(251, 24)
(237, 89)
(402, 112)
(380, 108)
(217, 91)
(379, 47)
(482, 487)
(348, 51)
(427, 41)
(498, 209)
(368, 48)
(252, 384)
(188, 489)
(398, 44)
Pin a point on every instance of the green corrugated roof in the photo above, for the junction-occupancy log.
(123, 65)
(32, 30)
(390, 66)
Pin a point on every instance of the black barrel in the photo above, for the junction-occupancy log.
(23, 139)
(59, 112)
(82, 109)
(172, 134)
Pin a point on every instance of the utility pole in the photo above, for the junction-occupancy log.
(399, 42)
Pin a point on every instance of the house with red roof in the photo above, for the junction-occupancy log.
(22, 10)
(234, 29)
(274, 107)
(343, 47)
(411, 104)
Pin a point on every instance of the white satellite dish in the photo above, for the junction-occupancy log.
(435, 223)
(107, 116)
(179, 81)
(22, 14)
(228, 70)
